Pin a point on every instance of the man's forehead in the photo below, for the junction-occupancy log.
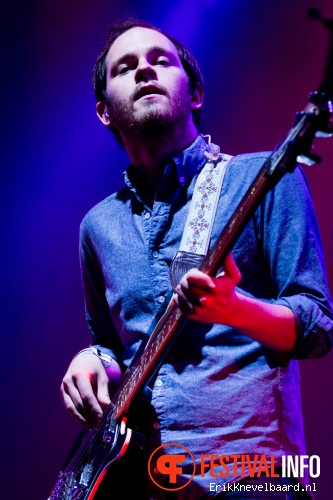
(136, 40)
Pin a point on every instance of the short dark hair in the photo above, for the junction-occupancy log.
(187, 59)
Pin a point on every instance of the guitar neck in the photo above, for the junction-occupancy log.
(282, 159)
(173, 320)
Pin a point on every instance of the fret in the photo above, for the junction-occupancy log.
(269, 174)
(315, 120)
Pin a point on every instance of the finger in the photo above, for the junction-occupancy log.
(194, 286)
(230, 268)
(185, 305)
(91, 408)
(70, 390)
(70, 406)
(103, 396)
(75, 402)
(191, 308)
(185, 295)
(198, 280)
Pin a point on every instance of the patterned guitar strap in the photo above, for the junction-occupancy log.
(200, 219)
(198, 227)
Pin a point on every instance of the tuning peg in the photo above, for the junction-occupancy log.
(309, 159)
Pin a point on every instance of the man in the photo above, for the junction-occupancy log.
(230, 385)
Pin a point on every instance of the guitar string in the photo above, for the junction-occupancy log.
(94, 433)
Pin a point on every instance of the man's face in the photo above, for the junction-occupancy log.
(146, 84)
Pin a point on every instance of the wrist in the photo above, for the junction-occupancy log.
(105, 359)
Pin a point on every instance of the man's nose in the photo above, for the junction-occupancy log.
(145, 71)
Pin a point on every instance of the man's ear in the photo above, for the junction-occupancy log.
(197, 97)
(103, 113)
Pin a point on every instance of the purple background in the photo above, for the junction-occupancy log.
(260, 60)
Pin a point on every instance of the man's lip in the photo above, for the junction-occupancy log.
(148, 90)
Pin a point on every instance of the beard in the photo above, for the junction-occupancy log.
(150, 118)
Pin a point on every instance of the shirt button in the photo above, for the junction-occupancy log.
(159, 382)
(161, 299)
(155, 255)
(147, 215)
(156, 425)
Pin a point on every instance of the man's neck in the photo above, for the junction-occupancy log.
(150, 155)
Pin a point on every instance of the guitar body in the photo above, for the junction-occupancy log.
(125, 477)
(107, 467)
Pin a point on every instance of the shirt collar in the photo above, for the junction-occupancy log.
(188, 162)
(191, 160)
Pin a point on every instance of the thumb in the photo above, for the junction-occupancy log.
(102, 395)
(230, 268)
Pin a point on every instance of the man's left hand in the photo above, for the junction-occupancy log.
(207, 299)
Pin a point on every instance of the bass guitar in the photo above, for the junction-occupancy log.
(101, 447)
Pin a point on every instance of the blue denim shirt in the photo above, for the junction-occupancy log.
(220, 392)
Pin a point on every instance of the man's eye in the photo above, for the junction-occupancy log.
(122, 69)
(162, 61)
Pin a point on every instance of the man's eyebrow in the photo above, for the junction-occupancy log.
(162, 50)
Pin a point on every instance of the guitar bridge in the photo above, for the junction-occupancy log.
(85, 476)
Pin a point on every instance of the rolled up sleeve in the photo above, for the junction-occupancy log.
(294, 257)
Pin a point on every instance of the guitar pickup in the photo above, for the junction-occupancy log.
(110, 429)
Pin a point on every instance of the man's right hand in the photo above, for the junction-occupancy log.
(85, 387)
